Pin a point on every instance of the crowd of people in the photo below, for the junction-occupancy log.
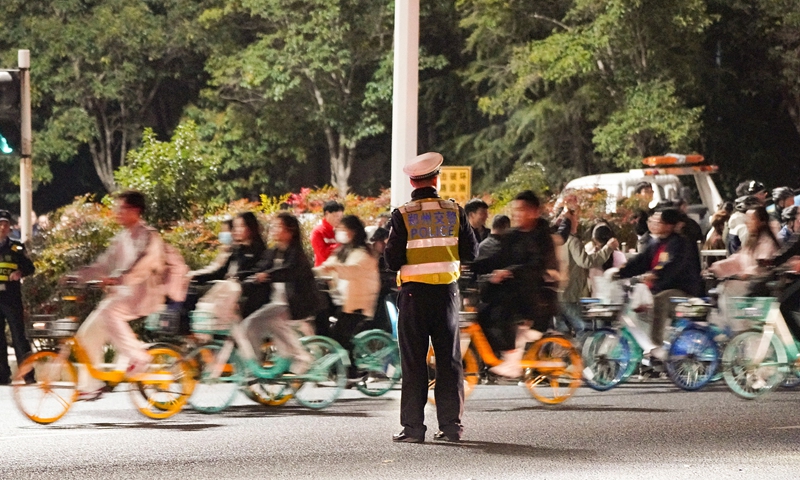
(528, 268)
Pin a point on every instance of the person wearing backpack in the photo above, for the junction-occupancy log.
(133, 270)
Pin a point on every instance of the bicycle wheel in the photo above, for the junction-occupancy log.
(54, 391)
(327, 376)
(162, 390)
(605, 356)
(636, 355)
(693, 359)
(742, 374)
(217, 379)
(267, 392)
(376, 354)
(472, 372)
(558, 371)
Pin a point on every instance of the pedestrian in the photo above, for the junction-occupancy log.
(477, 213)
(323, 236)
(132, 267)
(428, 240)
(14, 264)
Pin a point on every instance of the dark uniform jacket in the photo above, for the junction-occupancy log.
(678, 265)
(13, 257)
(395, 253)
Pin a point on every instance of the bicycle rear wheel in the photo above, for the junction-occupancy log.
(328, 371)
(267, 392)
(472, 372)
(693, 359)
(218, 379)
(162, 390)
(744, 376)
(54, 391)
(376, 354)
(605, 356)
(557, 373)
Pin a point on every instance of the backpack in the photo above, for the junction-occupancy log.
(174, 280)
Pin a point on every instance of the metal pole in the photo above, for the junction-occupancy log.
(25, 163)
(404, 95)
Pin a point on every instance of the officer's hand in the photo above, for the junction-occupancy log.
(499, 276)
(15, 276)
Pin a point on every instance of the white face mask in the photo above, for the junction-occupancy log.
(342, 237)
(225, 238)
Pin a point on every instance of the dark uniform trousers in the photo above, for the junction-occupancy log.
(11, 312)
(430, 311)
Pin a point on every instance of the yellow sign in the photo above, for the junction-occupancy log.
(456, 183)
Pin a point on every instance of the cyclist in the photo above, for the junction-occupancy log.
(523, 270)
(294, 295)
(783, 197)
(132, 268)
(247, 251)
(358, 283)
(671, 268)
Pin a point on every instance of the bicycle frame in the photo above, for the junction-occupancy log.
(776, 324)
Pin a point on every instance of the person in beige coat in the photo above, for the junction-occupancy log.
(132, 269)
(356, 278)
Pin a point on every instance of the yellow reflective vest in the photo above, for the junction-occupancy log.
(432, 226)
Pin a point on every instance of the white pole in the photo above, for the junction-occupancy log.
(404, 96)
(25, 164)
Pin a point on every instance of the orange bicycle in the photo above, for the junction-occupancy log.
(552, 366)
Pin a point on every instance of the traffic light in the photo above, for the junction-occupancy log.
(10, 137)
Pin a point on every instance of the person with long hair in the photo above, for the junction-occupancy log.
(761, 244)
(246, 253)
(294, 295)
(356, 277)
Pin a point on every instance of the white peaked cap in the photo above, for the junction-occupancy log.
(424, 166)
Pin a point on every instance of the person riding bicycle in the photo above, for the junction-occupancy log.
(523, 270)
(790, 297)
(132, 268)
(357, 281)
(294, 295)
(761, 244)
(246, 253)
(671, 268)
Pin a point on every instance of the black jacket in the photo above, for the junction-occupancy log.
(528, 255)
(395, 253)
(13, 257)
(245, 258)
(678, 267)
(295, 271)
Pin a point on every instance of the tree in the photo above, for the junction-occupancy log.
(179, 178)
(102, 70)
(318, 64)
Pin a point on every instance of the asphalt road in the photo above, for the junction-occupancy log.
(637, 431)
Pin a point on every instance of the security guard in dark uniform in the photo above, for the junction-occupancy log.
(14, 264)
(428, 240)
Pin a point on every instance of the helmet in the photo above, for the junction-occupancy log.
(789, 213)
(754, 187)
(746, 202)
(782, 193)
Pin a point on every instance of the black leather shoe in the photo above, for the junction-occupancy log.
(440, 435)
(403, 438)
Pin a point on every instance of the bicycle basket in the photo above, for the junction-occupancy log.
(166, 322)
(692, 309)
(205, 322)
(48, 326)
(749, 308)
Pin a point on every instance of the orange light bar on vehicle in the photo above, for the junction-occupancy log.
(681, 170)
(672, 159)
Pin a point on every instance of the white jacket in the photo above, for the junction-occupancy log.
(357, 280)
(135, 257)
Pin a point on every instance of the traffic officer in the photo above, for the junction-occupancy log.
(14, 264)
(428, 240)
